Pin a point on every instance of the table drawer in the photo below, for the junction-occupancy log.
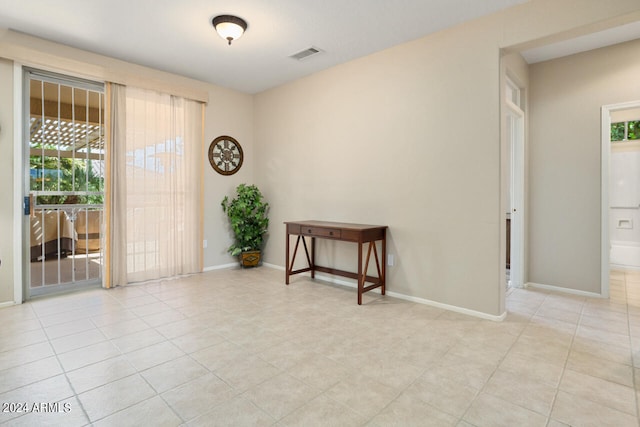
(293, 228)
(333, 233)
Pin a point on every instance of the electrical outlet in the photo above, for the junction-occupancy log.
(390, 260)
(204, 244)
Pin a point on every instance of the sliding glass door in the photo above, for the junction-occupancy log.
(65, 182)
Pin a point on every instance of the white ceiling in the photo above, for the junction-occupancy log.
(177, 35)
(591, 41)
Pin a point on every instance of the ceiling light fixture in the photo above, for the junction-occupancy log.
(229, 27)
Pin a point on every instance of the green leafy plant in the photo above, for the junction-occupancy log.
(65, 174)
(247, 214)
(632, 131)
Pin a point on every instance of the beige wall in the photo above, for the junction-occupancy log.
(228, 113)
(405, 138)
(564, 160)
(409, 137)
(6, 180)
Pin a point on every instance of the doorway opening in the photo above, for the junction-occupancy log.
(514, 120)
(64, 182)
(620, 232)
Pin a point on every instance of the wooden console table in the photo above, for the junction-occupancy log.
(357, 233)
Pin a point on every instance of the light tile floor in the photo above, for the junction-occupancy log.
(238, 347)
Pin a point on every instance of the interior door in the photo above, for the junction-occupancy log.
(515, 134)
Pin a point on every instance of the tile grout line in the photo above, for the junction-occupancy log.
(584, 313)
(631, 349)
(502, 359)
(76, 395)
(566, 362)
(136, 373)
(64, 371)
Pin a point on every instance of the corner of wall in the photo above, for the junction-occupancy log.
(7, 210)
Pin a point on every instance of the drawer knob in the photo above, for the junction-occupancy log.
(331, 233)
(309, 231)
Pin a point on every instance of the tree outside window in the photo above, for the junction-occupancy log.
(625, 131)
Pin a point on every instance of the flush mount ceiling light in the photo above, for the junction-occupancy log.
(229, 27)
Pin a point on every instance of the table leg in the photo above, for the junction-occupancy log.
(287, 269)
(313, 258)
(384, 261)
(360, 276)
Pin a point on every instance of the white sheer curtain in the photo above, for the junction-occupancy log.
(156, 185)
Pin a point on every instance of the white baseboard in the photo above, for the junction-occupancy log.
(275, 267)
(342, 282)
(7, 304)
(562, 290)
(220, 267)
(620, 267)
(448, 307)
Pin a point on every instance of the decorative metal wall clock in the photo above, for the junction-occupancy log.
(225, 155)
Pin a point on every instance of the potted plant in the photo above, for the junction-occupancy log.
(247, 214)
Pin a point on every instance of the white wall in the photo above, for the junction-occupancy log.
(624, 202)
(515, 68)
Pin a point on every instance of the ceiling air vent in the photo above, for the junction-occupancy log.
(303, 54)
